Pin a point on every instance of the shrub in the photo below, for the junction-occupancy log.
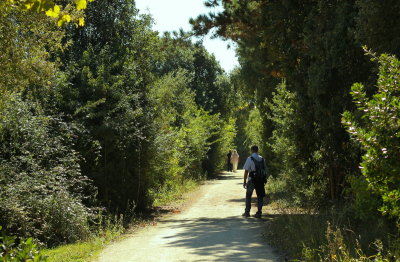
(336, 248)
(42, 189)
(377, 132)
(302, 178)
(13, 249)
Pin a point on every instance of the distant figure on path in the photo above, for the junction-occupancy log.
(254, 178)
(235, 160)
(228, 160)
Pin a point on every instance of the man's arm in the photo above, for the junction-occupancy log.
(246, 173)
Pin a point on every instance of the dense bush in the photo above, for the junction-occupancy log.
(221, 142)
(298, 41)
(305, 183)
(377, 132)
(42, 189)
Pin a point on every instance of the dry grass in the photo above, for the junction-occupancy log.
(306, 235)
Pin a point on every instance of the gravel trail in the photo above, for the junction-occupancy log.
(211, 228)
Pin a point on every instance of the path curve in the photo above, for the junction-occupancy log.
(211, 229)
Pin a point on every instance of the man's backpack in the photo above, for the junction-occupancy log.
(260, 175)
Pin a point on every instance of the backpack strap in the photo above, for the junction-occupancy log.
(254, 160)
(252, 173)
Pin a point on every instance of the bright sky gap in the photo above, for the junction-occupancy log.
(175, 14)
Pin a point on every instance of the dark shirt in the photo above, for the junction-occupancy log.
(229, 156)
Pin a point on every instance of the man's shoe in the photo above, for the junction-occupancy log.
(257, 215)
(246, 214)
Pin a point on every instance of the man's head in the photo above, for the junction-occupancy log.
(254, 149)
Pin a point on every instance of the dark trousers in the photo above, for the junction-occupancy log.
(249, 192)
(229, 166)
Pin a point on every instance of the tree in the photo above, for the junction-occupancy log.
(100, 117)
(207, 80)
(298, 41)
(66, 11)
(109, 67)
(376, 26)
(26, 43)
(42, 191)
(377, 132)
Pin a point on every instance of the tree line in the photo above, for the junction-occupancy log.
(323, 81)
(101, 119)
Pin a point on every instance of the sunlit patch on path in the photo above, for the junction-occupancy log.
(212, 229)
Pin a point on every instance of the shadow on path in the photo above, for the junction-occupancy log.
(227, 176)
(224, 239)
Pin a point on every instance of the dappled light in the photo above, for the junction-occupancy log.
(219, 238)
(211, 228)
(119, 142)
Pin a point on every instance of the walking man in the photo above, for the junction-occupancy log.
(254, 179)
(228, 160)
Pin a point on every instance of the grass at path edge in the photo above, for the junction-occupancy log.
(89, 250)
(332, 235)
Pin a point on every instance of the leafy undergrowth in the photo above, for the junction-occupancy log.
(86, 250)
(18, 249)
(332, 236)
(173, 192)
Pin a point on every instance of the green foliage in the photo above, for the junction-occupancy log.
(335, 249)
(376, 27)
(102, 117)
(171, 192)
(187, 137)
(176, 116)
(25, 47)
(377, 132)
(315, 47)
(42, 189)
(110, 229)
(210, 86)
(13, 249)
(213, 94)
(298, 41)
(364, 202)
(65, 12)
(254, 128)
(332, 235)
(224, 141)
(301, 183)
(109, 67)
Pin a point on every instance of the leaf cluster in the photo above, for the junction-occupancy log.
(13, 249)
(61, 11)
(377, 132)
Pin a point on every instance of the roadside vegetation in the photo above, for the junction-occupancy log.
(99, 123)
(102, 118)
(324, 78)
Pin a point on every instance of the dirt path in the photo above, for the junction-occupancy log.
(211, 229)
